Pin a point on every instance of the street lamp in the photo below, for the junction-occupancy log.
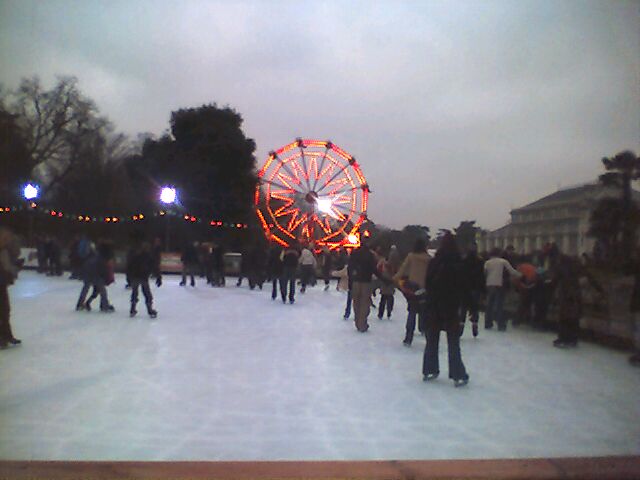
(30, 193)
(168, 196)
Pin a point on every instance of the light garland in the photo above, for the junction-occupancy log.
(115, 219)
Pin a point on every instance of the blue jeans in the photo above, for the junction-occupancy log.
(495, 311)
(347, 310)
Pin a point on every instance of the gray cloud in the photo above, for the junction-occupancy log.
(456, 110)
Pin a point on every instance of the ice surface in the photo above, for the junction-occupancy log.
(227, 374)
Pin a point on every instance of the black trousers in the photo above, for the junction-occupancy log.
(385, 301)
(141, 283)
(98, 289)
(447, 321)
(288, 279)
(414, 308)
(5, 312)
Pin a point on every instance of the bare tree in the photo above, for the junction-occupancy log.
(61, 127)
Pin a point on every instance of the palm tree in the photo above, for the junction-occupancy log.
(621, 171)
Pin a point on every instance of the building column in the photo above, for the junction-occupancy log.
(527, 244)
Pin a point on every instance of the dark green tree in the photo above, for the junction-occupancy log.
(209, 160)
(466, 234)
(621, 171)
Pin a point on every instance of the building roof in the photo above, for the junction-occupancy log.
(580, 193)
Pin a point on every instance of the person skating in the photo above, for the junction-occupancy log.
(274, 269)
(218, 265)
(387, 289)
(307, 268)
(565, 274)
(414, 269)
(327, 266)
(257, 266)
(494, 270)
(444, 283)
(9, 252)
(95, 273)
(290, 257)
(473, 276)
(156, 256)
(140, 265)
(189, 260)
(361, 268)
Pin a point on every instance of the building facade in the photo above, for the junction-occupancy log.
(562, 217)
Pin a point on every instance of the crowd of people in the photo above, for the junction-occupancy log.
(443, 289)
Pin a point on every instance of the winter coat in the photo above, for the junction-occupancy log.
(343, 278)
(8, 268)
(445, 285)
(290, 258)
(140, 264)
(386, 269)
(94, 270)
(307, 257)
(362, 265)
(414, 267)
(394, 259)
(473, 272)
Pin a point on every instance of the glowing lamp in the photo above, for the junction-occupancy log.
(324, 204)
(30, 191)
(353, 238)
(168, 195)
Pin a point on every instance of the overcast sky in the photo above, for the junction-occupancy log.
(456, 110)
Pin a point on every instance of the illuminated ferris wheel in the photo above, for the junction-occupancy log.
(312, 191)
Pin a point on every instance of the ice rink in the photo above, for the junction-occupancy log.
(227, 374)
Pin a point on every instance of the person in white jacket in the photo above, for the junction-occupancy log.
(307, 268)
(494, 272)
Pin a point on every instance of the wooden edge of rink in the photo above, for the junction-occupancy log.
(614, 468)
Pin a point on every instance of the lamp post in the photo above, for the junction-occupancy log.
(30, 193)
(168, 196)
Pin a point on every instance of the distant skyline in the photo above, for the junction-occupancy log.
(456, 110)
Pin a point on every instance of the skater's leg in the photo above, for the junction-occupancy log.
(382, 305)
(83, 295)
(456, 367)
(390, 302)
(283, 280)
(6, 335)
(292, 286)
(430, 365)
(135, 284)
(347, 309)
(412, 310)
(148, 296)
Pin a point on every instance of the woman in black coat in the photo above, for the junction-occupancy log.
(444, 284)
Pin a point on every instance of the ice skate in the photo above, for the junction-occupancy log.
(108, 309)
(460, 382)
(474, 329)
(429, 377)
(152, 313)
(133, 313)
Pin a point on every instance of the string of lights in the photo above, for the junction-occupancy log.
(116, 219)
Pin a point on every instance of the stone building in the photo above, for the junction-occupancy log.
(562, 217)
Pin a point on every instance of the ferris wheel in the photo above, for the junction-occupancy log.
(312, 191)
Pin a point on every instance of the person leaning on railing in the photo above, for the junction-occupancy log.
(9, 264)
